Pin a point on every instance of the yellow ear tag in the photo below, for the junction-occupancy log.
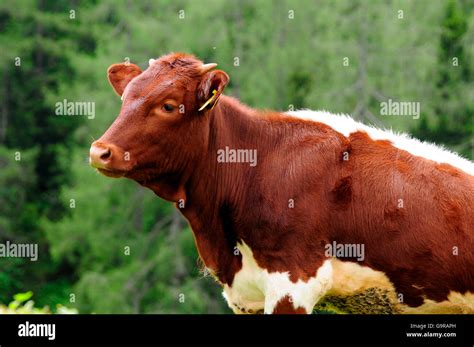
(209, 101)
(215, 102)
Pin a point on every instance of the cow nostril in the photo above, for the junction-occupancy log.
(100, 155)
(106, 154)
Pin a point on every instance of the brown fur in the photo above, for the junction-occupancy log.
(285, 306)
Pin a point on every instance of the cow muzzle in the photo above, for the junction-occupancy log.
(109, 160)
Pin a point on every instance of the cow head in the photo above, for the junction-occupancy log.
(162, 128)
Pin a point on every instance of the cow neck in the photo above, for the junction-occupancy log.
(215, 189)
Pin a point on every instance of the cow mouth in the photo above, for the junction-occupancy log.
(112, 173)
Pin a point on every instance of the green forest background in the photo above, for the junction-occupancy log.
(110, 246)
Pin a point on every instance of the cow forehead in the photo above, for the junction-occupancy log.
(162, 74)
(150, 83)
(178, 64)
(178, 60)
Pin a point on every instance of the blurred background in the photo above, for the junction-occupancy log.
(110, 246)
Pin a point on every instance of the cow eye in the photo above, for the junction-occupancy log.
(168, 107)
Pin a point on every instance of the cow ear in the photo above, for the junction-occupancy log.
(211, 87)
(121, 74)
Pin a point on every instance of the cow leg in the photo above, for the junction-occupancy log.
(286, 297)
(285, 306)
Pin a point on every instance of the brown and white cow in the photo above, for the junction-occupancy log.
(279, 203)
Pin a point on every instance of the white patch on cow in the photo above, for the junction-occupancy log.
(350, 277)
(346, 125)
(255, 289)
(303, 294)
(456, 303)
